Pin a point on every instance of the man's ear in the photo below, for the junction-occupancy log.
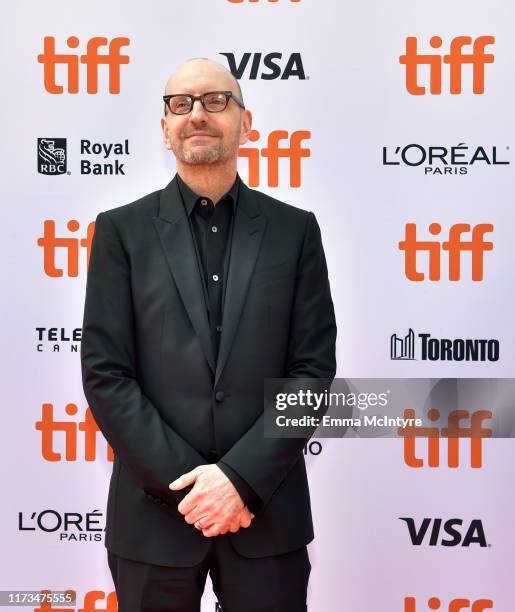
(166, 136)
(246, 126)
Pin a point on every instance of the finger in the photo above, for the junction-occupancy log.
(212, 530)
(245, 523)
(189, 503)
(193, 516)
(184, 480)
(202, 526)
(196, 507)
(199, 504)
(245, 520)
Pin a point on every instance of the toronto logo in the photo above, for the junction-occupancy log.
(402, 348)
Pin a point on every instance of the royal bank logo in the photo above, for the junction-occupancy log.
(402, 348)
(52, 156)
(96, 158)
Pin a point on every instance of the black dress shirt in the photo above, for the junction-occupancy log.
(211, 227)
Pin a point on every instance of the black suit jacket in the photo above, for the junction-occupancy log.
(154, 388)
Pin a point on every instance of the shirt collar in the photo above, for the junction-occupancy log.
(190, 198)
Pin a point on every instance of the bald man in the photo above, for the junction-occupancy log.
(197, 293)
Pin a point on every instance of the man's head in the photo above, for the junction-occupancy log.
(201, 137)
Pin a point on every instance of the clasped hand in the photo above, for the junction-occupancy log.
(213, 501)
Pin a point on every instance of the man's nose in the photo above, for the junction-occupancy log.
(198, 112)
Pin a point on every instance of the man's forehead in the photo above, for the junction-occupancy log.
(198, 77)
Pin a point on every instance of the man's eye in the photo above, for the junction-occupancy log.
(216, 101)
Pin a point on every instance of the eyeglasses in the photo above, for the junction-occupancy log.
(213, 102)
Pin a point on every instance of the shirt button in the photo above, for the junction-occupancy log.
(214, 229)
(215, 277)
(203, 202)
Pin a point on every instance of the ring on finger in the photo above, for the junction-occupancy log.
(197, 522)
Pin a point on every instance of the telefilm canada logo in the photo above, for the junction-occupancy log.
(403, 348)
(440, 160)
(52, 156)
(58, 339)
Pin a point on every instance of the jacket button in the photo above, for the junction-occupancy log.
(219, 396)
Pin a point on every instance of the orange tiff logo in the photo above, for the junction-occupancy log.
(452, 433)
(455, 59)
(92, 59)
(294, 152)
(456, 605)
(88, 429)
(455, 246)
(90, 603)
(68, 246)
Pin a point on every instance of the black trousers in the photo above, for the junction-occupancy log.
(269, 584)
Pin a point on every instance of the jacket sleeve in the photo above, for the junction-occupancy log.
(148, 446)
(244, 491)
(264, 462)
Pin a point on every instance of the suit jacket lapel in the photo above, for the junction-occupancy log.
(248, 232)
(174, 231)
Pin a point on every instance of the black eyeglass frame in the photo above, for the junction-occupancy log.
(228, 95)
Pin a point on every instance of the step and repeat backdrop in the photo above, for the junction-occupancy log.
(393, 122)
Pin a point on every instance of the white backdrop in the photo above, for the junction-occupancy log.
(353, 101)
